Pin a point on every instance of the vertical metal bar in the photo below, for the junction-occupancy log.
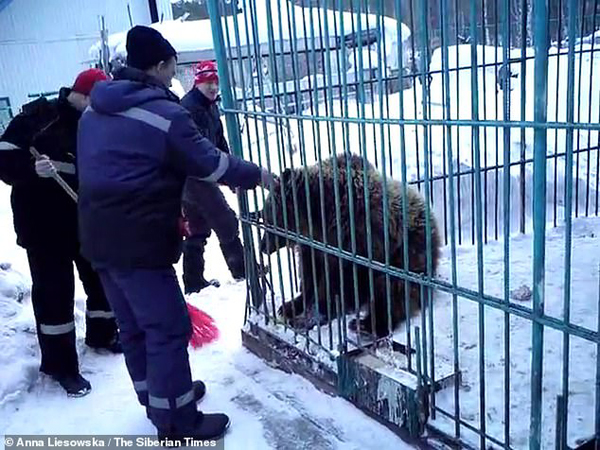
(370, 82)
(540, 19)
(560, 419)
(478, 216)
(556, 132)
(497, 16)
(381, 70)
(104, 45)
(340, 309)
(388, 80)
(316, 135)
(457, 76)
(597, 165)
(429, 371)
(348, 172)
(450, 162)
(233, 130)
(419, 356)
(579, 78)
(485, 140)
(415, 75)
(403, 174)
(342, 88)
(363, 147)
(523, 74)
(426, 9)
(573, 7)
(589, 133)
(507, 216)
(597, 409)
(597, 181)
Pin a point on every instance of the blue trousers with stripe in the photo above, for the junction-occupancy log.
(155, 329)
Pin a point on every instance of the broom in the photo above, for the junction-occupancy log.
(204, 328)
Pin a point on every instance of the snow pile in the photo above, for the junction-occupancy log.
(18, 344)
(19, 362)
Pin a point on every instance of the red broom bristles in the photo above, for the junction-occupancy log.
(204, 329)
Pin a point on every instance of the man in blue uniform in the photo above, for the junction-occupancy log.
(137, 147)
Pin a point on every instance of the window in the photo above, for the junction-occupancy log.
(5, 113)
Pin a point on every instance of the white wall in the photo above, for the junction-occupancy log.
(44, 44)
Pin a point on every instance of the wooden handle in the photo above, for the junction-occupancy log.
(56, 176)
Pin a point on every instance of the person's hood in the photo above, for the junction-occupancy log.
(130, 88)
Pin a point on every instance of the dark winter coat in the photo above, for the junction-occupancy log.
(45, 217)
(206, 117)
(137, 145)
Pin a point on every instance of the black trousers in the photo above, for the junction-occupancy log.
(206, 209)
(53, 299)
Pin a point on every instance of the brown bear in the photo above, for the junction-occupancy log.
(302, 184)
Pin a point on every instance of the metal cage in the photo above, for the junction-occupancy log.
(490, 111)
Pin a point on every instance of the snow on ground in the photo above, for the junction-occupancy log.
(269, 408)
(583, 354)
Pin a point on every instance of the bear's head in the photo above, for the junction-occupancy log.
(287, 197)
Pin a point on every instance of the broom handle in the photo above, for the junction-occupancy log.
(56, 176)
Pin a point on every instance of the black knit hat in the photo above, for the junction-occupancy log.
(146, 48)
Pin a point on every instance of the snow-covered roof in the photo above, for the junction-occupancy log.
(196, 35)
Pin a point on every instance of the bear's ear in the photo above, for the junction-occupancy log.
(290, 178)
(293, 181)
(286, 176)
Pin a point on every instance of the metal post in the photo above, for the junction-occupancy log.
(540, 20)
(105, 49)
(233, 133)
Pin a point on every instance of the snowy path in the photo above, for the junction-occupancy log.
(269, 408)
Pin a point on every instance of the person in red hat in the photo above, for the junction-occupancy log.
(204, 206)
(45, 220)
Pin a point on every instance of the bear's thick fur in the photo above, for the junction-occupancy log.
(325, 217)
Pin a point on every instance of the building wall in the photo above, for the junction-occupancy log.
(44, 44)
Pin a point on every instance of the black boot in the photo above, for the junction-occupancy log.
(201, 285)
(199, 390)
(102, 334)
(207, 427)
(113, 345)
(193, 266)
(74, 385)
